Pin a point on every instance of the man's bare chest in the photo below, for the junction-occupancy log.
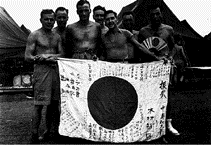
(47, 41)
(115, 41)
(162, 33)
(85, 34)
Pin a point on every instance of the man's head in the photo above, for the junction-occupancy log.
(179, 40)
(111, 19)
(47, 18)
(61, 16)
(128, 20)
(99, 14)
(83, 10)
(155, 14)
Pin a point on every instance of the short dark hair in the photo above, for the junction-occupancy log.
(61, 9)
(82, 2)
(99, 8)
(128, 13)
(46, 11)
(153, 6)
(110, 11)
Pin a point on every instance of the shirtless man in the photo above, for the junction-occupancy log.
(43, 47)
(61, 20)
(166, 32)
(99, 17)
(83, 37)
(128, 24)
(115, 48)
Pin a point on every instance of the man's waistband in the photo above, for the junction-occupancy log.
(46, 63)
(123, 60)
(88, 50)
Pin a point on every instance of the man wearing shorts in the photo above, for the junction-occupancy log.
(43, 47)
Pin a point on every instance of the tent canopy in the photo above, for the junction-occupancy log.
(12, 38)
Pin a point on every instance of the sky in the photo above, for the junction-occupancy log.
(27, 12)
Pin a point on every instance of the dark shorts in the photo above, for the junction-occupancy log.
(46, 83)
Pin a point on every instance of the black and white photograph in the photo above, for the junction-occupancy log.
(105, 72)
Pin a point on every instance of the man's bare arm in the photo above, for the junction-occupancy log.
(30, 48)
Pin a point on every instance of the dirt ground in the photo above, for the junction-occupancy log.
(191, 114)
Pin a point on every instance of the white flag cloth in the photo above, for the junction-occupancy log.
(113, 102)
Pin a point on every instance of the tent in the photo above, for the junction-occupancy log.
(12, 38)
(188, 26)
(12, 47)
(193, 41)
(25, 30)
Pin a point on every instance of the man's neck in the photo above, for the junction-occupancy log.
(102, 25)
(61, 29)
(155, 26)
(114, 29)
(46, 31)
(84, 23)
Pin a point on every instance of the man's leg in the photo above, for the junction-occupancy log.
(55, 118)
(48, 122)
(52, 120)
(169, 120)
(36, 119)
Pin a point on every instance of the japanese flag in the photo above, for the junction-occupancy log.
(113, 102)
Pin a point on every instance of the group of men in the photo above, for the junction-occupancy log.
(84, 39)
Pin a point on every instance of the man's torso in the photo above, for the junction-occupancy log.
(164, 32)
(46, 43)
(84, 37)
(116, 44)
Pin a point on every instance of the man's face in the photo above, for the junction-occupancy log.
(110, 20)
(61, 18)
(128, 22)
(47, 21)
(155, 16)
(84, 12)
(98, 16)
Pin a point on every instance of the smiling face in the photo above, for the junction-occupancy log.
(110, 20)
(84, 12)
(98, 16)
(61, 18)
(48, 21)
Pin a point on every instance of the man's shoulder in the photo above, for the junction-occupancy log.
(145, 28)
(55, 33)
(72, 25)
(124, 30)
(35, 33)
(135, 32)
(165, 26)
(75, 24)
(55, 29)
(94, 23)
(178, 47)
(127, 33)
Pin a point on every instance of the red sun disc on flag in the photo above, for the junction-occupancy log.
(112, 102)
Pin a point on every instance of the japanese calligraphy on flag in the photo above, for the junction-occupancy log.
(113, 102)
